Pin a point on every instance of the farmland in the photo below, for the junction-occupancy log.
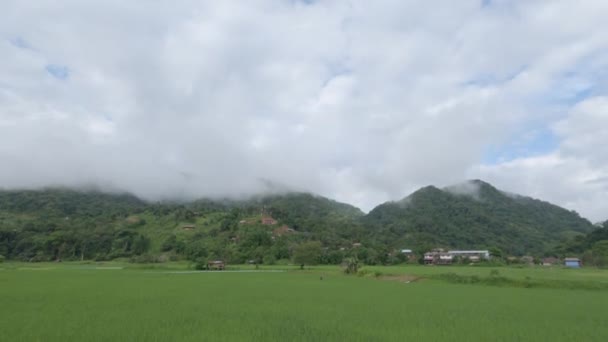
(106, 302)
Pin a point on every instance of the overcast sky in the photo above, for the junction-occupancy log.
(361, 101)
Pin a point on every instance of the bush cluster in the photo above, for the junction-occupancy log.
(495, 279)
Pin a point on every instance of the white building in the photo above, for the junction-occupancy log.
(471, 255)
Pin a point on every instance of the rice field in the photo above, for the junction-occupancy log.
(47, 302)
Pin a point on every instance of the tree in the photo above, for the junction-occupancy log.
(495, 252)
(169, 244)
(200, 264)
(269, 259)
(600, 253)
(141, 244)
(307, 253)
(280, 249)
(196, 250)
(351, 265)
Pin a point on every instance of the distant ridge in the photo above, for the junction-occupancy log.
(474, 214)
(57, 223)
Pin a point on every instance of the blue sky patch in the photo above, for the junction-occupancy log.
(21, 43)
(582, 80)
(305, 2)
(489, 79)
(567, 93)
(336, 69)
(525, 144)
(60, 72)
(580, 94)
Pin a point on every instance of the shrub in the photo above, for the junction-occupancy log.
(1, 259)
(144, 259)
(100, 257)
(200, 264)
(283, 262)
(363, 273)
(527, 282)
(168, 256)
(269, 260)
(351, 265)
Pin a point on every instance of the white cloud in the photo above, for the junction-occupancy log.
(361, 101)
(576, 175)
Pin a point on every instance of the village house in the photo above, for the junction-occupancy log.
(550, 261)
(572, 262)
(437, 256)
(429, 258)
(473, 256)
(527, 259)
(409, 254)
(268, 220)
(216, 265)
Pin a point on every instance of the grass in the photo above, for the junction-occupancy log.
(75, 302)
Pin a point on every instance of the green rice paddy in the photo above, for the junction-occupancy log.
(88, 302)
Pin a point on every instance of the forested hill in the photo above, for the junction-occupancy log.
(306, 211)
(65, 224)
(66, 202)
(474, 215)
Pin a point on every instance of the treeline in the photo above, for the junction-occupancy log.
(482, 218)
(592, 247)
(62, 224)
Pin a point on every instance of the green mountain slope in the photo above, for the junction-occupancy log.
(305, 211)
(474, 215)
(66, 202)
(56, 224)
(65, 224)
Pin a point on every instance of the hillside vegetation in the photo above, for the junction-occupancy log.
(56, 224)
(64, 224)
(475, 215)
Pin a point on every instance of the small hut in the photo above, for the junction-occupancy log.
(218, 265)
(267, 220)
(550, 261)
(282, 230)
(572, 262)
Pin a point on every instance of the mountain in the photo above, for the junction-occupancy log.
(306, 211)
(66, 202)
(474, 214)
(67, 224)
